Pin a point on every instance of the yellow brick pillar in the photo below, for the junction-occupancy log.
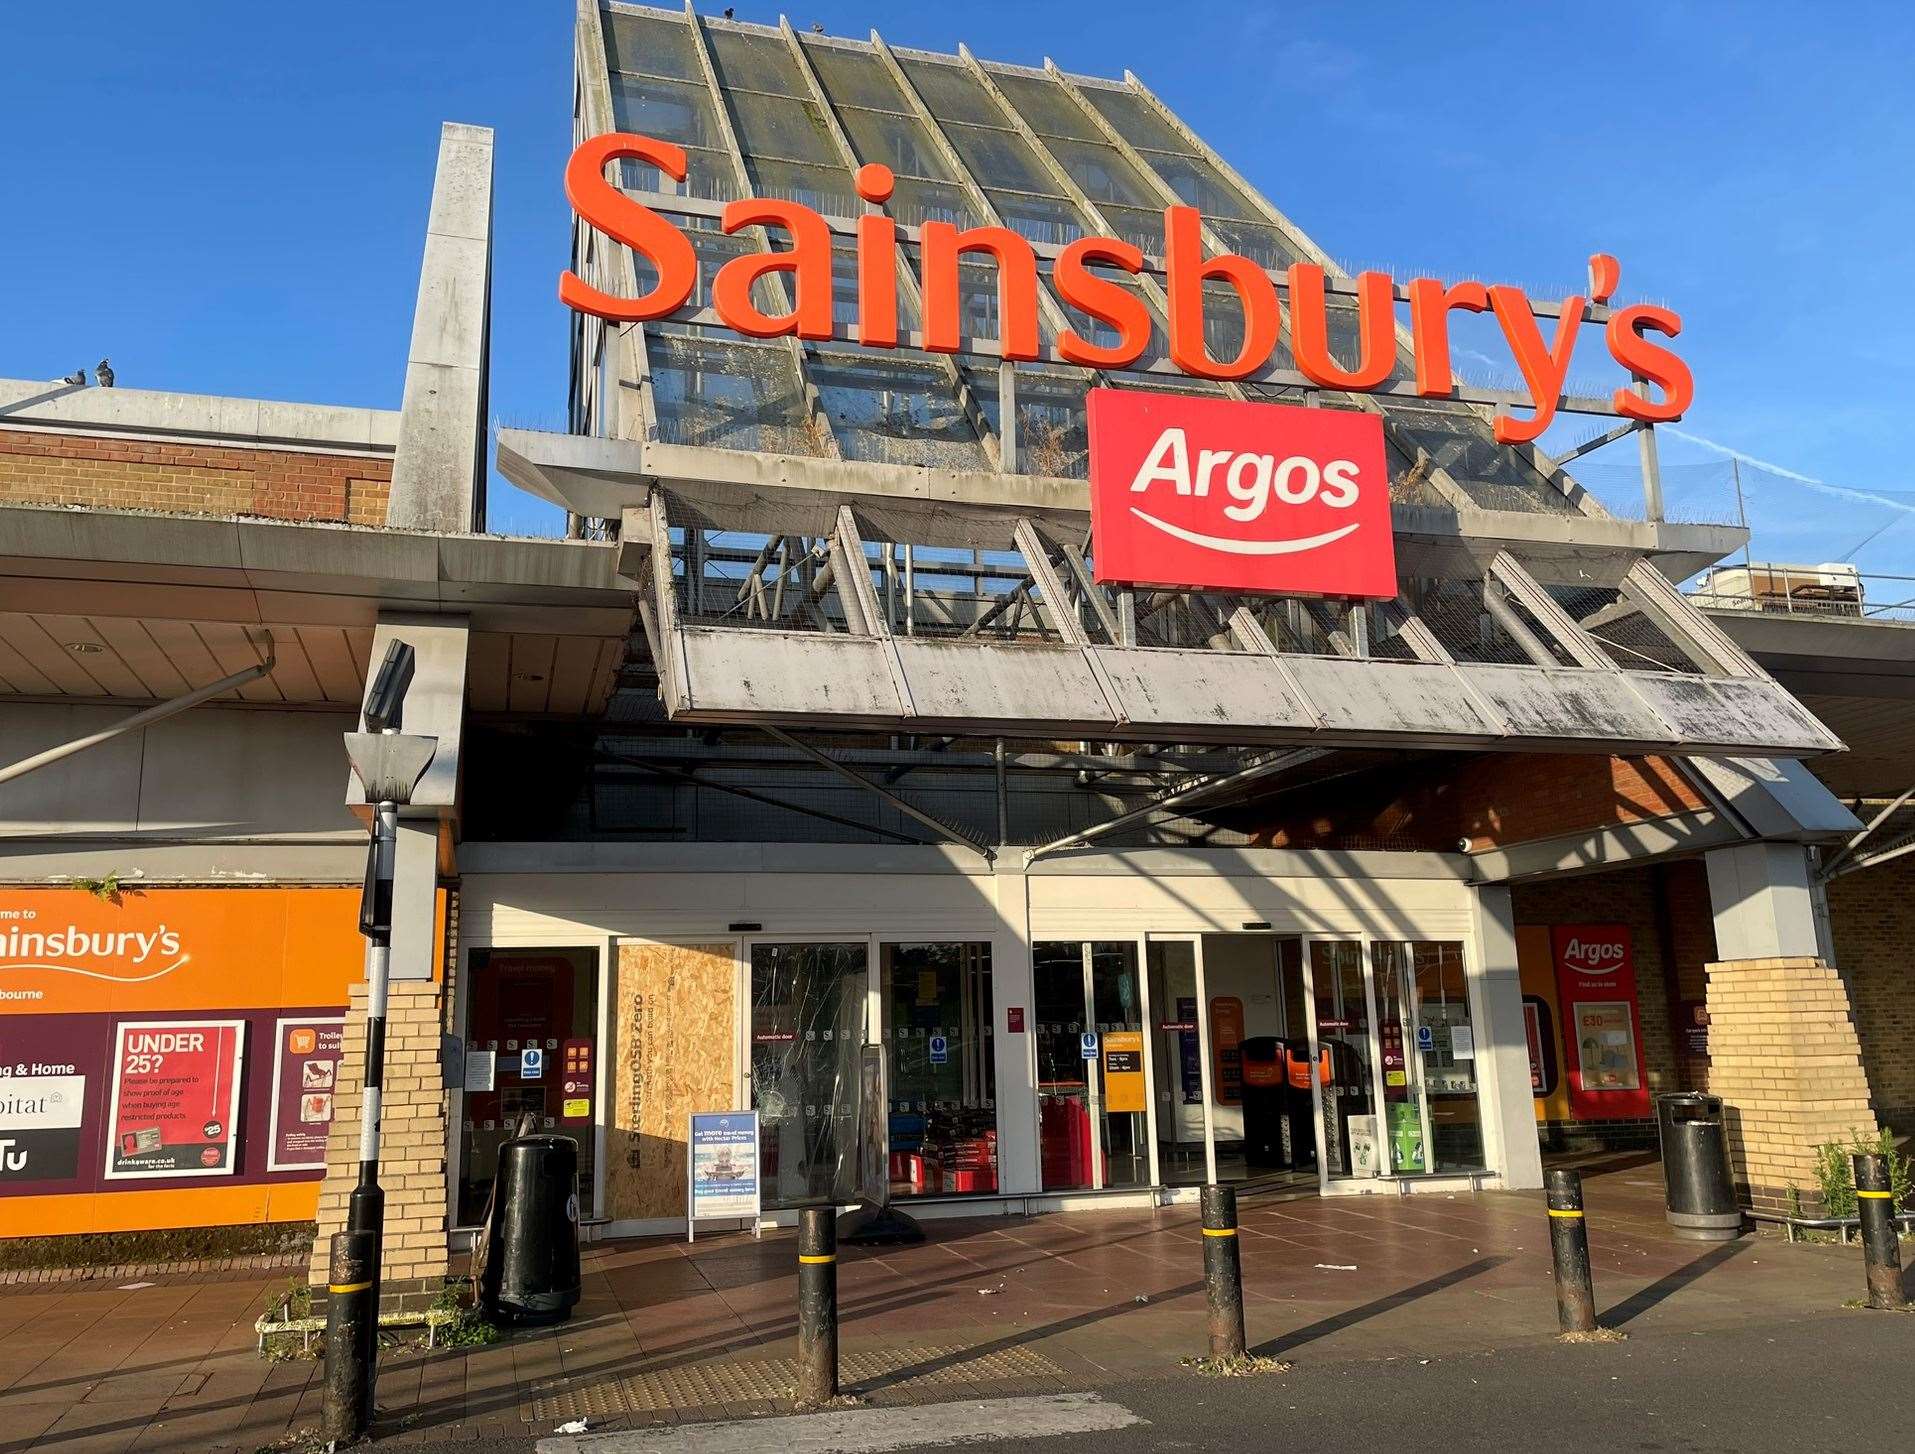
(1786, 1060)
(412, 1167)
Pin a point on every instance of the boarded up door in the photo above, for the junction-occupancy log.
(676, 1018)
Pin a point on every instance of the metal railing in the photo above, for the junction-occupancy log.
(1805, 591)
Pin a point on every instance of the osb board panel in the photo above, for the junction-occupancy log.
(675, 1023)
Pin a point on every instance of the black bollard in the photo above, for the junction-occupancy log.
(1875, 1202)
(817, 1306)
(352, 1332)
(1223, 1272)
(1569, 1250)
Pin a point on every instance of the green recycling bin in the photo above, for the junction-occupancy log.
(1406, 1139)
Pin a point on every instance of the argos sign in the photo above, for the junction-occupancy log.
(1213, 494)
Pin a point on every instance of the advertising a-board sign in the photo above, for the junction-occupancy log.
(1295, 302)
(1217, 494)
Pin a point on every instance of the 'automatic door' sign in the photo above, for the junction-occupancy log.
(1214, 494)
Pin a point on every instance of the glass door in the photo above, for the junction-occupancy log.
(807, 1042)
(1181, 1061)
(1349, 1139)
(1093, 1113)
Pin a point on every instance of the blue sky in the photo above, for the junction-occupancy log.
(230, 198)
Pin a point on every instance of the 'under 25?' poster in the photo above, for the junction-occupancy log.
(175, 1098)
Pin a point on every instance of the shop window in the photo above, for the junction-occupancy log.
(940, 1068)
(807, 1035)
(532, 1051)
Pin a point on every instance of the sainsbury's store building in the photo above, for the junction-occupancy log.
(1052, 670)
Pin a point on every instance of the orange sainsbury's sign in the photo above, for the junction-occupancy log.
(1081, 276)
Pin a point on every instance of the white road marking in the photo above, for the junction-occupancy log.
(867, 1431)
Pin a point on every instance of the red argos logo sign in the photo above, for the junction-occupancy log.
(1213, 494)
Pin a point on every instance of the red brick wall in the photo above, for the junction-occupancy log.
(191, 479)
(1492, 799)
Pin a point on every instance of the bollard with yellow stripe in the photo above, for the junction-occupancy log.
(1569, 1251)
(1223, 1272)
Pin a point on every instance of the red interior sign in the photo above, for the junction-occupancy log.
(1214, 494)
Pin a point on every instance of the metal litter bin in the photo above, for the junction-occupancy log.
(1700, 1192)
(531, 1270)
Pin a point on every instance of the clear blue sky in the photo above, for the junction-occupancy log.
(231, 198)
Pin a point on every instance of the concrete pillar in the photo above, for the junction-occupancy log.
(1786, 1060)
(1784, 1054)
(438, 469)
(1018, 1170)
(1764, 905)
(1508, 1109)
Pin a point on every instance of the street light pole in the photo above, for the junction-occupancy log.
(389, 764)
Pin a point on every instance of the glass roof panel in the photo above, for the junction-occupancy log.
(657, 45)
(950, 92)
(916, 203)
(824, 189)
(753, 62)
(1259, 242)
(1493, 475)
(668, 110)
(1050, 417)
(1103, 173)
(773, 126)
(900, 142)
(1136, 119)
(1045, 106)
(1001, 159)
(728, 396)
(854, 77)
(1041, 219)
(895, 411)
(1202, 186)
(707, 174)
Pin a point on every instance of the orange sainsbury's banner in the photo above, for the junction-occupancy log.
(167, 1056)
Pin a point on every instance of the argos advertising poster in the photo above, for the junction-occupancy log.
(167, 1055)
(1601, 1026)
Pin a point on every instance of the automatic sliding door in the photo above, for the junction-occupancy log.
(1348, 1135)
(1183, 1120)
(1092, 1110)
(807, 1039)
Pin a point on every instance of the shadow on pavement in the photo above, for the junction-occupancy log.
(1323, 1327)
(1639, 1302)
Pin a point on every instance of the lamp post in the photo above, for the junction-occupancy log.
(388, 764)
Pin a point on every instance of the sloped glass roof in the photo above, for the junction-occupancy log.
(1053, 157)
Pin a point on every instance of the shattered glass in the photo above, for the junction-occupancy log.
(807, 1034)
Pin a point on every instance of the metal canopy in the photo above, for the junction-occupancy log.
(821, 627)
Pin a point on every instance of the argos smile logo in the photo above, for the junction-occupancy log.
(1217, 494)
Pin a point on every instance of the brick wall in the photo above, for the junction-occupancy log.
(1493, 799)
(1786, 1062)
(412, 1166)
(1872, 912)
(192, 479)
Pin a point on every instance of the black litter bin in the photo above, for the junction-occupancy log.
(1700, 1192)
(530, 1273)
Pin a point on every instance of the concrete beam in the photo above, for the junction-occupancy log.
(198, 418)
(438, 474)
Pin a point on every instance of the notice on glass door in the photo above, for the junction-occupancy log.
(175, 1098)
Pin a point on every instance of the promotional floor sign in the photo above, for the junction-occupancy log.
(306, 1058)
(722, 1151)
(1602, 1031)
(175, 1098)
